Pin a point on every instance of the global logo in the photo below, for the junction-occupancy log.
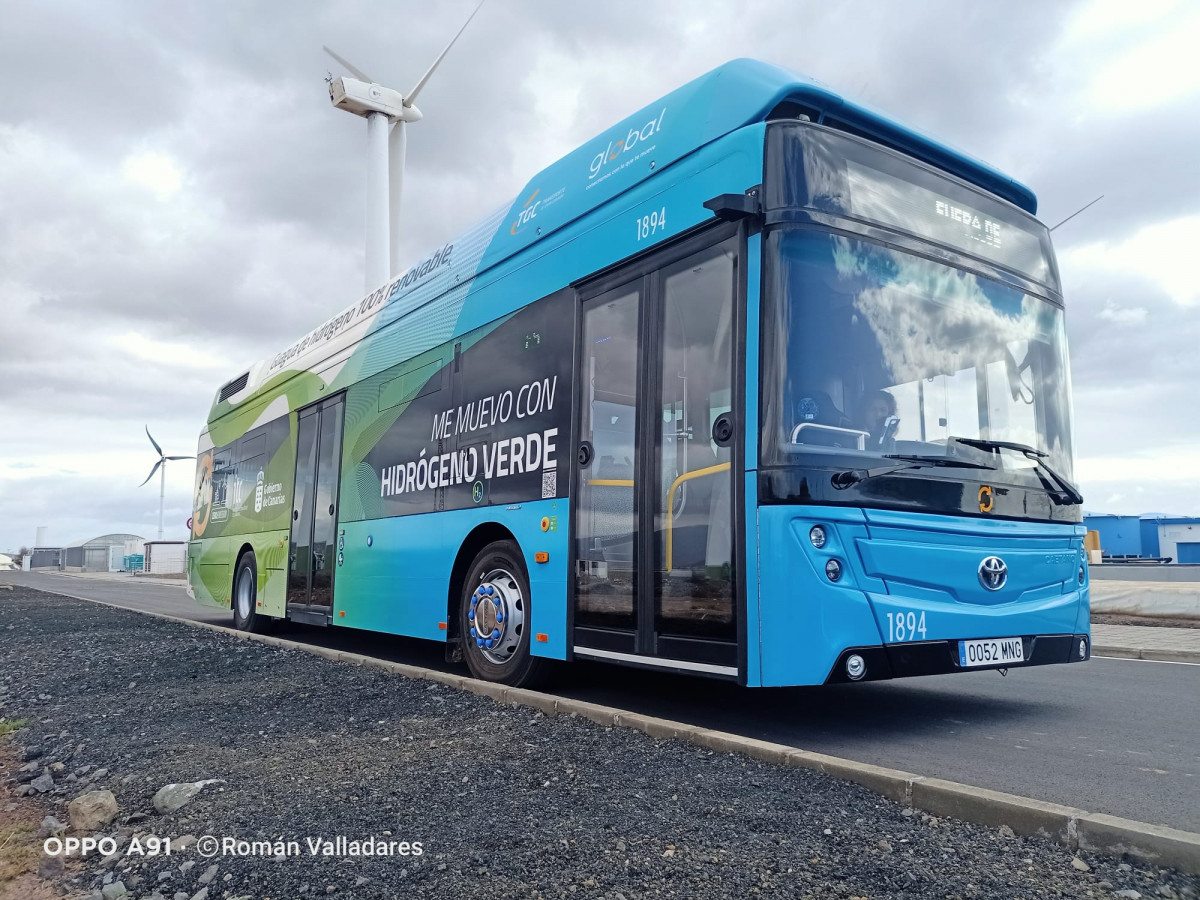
(258, 492)
(993, 573)
(615, 149)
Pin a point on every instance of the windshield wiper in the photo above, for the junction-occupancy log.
(952, 461)
(850, 477)
(1066, 493)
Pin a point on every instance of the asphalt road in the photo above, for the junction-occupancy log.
(1113, 736)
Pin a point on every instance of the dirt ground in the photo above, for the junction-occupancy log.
(19, 850)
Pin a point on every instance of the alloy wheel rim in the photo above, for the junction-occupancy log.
(245, 594)
(497, 616)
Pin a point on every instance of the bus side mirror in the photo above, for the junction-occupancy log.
(731, 207)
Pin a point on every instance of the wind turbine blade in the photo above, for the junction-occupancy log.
(157, 448)
(350, 67)
(152, 471)
(179, 457)
(412, 95)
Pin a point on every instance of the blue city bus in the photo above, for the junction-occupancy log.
(758, 384)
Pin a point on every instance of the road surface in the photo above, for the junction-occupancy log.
(1112, 736)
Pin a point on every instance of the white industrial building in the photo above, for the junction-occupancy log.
(165, 558)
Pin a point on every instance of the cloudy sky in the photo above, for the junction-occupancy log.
(178, 198)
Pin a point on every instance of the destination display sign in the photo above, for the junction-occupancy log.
(994, 234)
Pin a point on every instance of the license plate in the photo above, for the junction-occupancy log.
(991, 652)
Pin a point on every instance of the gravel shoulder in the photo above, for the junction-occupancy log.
(504, 801)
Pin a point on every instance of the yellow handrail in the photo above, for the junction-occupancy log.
(686, 476)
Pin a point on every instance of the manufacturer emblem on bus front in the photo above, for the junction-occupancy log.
(993, 573)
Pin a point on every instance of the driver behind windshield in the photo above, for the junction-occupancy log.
(877, 416)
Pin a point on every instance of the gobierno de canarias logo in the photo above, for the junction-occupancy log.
(202, 502)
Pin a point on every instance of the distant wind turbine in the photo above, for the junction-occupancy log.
(162, 486)
(386, 111)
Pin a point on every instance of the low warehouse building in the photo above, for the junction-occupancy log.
(1152, 536)
(96, 555)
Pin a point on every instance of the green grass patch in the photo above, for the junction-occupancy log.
(8, 726)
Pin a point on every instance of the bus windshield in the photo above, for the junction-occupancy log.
(875, 352)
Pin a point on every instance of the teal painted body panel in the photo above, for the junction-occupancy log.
(901, 563)
(398, 584)
(806, 621)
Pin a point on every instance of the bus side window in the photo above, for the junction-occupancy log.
(223, 468)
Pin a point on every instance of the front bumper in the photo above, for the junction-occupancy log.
(941, 657)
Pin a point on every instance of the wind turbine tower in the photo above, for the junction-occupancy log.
(387, 111)
(163, 459)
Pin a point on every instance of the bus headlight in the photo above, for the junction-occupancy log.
(833, 569)
(1083, 648)
(817, 536)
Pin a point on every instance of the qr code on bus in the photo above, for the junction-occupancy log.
(549, 483)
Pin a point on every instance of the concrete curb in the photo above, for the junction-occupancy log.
(1148, 653)
(1074, 828)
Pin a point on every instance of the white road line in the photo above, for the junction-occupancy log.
(1164, 662)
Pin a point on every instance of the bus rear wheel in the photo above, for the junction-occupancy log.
(494, 618)
(245, 595)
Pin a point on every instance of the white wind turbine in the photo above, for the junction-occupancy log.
(384, 109)
(162, 486)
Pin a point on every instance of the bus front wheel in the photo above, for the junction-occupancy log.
(494, 618)
(245, 595)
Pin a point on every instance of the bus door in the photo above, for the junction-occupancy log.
(654, 511)
(312, 557)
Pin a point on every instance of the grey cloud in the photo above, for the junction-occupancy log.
(1145, 164)
(81, 72)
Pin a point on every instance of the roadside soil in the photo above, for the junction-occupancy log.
(504, 801)
(20, 845)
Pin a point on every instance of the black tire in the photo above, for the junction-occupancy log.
(244, 600)
(500, 567)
